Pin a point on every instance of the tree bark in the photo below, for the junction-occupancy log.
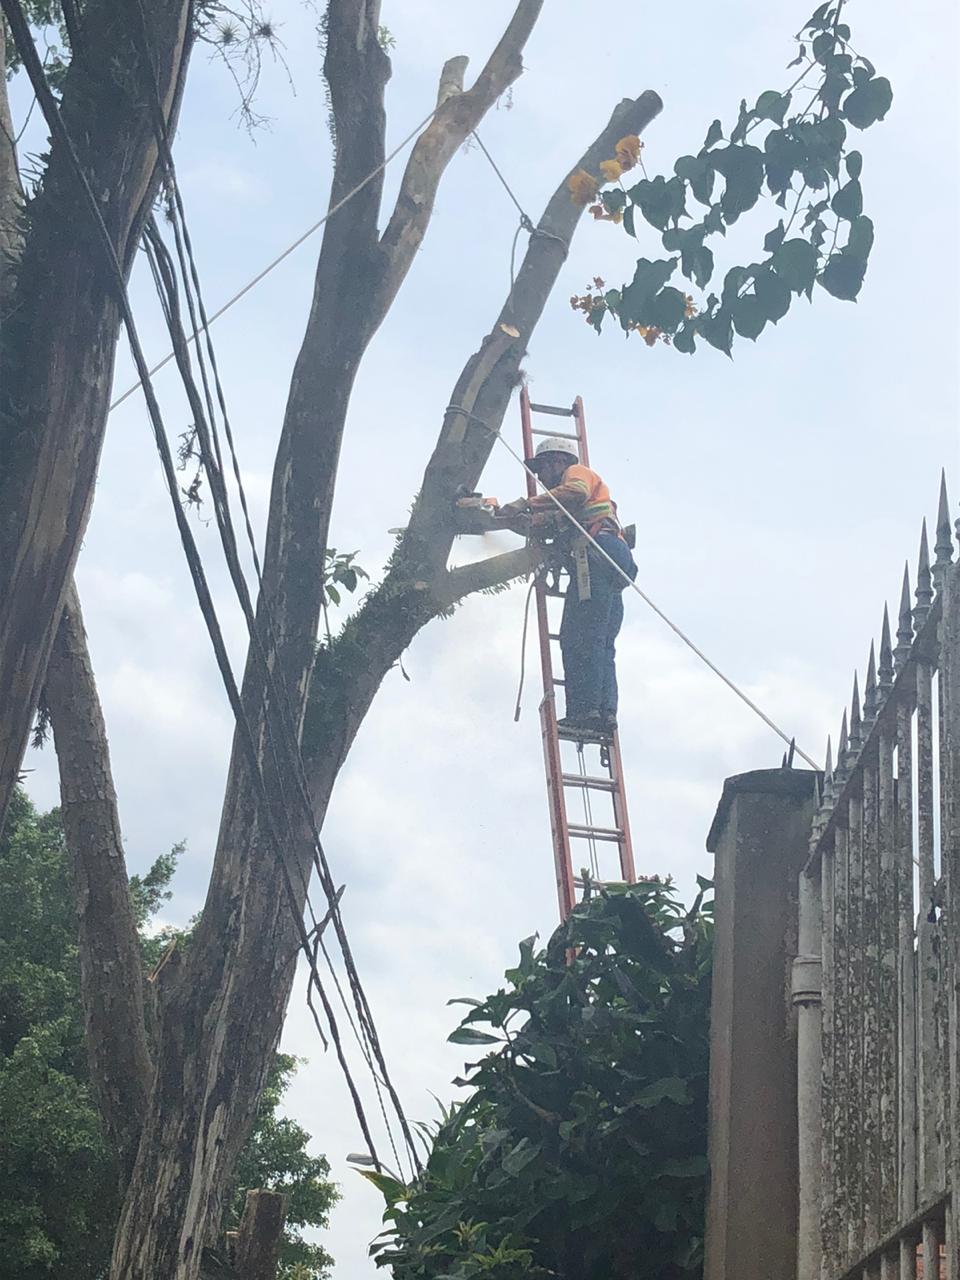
(59, 340)
(11, 191)
(110, 963)
(258, 1240)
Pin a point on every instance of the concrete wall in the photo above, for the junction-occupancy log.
(760, 841)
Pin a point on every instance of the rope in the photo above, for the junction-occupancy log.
(523, 649)
(771, 724)
(526, 222)
(290, 248)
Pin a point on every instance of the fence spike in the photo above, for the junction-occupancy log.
(870, 699)
(856, 729)
(828, 792)
(843, 749)
(944, 544)
(904, 624)
(924, 591)
(886, 656)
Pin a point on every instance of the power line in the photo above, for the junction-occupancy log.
(287, 252)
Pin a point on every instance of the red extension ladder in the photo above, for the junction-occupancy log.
(578, 783)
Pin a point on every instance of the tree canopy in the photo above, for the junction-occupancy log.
(580, 1151)
(58, 1182)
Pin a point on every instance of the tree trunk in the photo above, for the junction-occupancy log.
(11, 192)
(59, 340)
(110, 963)
(224, 1009)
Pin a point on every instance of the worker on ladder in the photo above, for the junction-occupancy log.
(593, 607)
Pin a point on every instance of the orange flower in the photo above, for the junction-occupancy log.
(611, 170)
(627, 151)
(582, 187)
(597, 282)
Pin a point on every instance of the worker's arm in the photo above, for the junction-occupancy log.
(572, 493)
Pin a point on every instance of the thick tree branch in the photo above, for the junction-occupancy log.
(456, 118)
(110, 964)
(482, 575)
(58, 343)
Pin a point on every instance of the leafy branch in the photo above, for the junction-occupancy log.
(802, 153)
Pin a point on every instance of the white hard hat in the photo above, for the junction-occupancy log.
(553, 444)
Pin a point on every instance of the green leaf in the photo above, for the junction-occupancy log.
(743, 169)
(332, 593)
(468, 1035)
(717, 329)
(614, 201)
(772, 105)
(628, 224)
(774, 296)
(774, 239)
(699, 172)
(648, 279)
(685, 339)
(714, 134)
(823, 46)
(749, 316)
(661, 202)
(743, 123)
(854, 162)
(843, 276)
(520, 1157)
(733, 282)
(474, 1004)
(667, 309)
(868, 103)
(795, 262)
(847, 203)
(783, 156)
(835, 85)
(390, 1188)
(860, 240)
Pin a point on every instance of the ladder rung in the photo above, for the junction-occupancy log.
(557, 435)
(552, 636)
(561, 683)
(555, 409)
(599, 884)
(557, 595)
(613, 834)
(584, 735)
(589, 784)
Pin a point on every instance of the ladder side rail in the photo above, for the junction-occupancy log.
(627, 867)
(581, 422)
(559, 826)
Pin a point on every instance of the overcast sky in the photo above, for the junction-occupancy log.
(775, 495)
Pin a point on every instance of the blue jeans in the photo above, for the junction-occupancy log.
(589, 629)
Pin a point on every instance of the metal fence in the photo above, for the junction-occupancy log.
(876, 984)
